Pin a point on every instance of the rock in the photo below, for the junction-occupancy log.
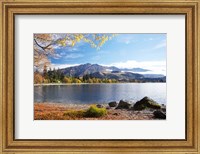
(151, 110)
(123, 105)
(112, 104)
(146, 103)
(100, 106)
(108, 107)
(138, 112)
(159, 114)
(116, 113)
(163, 109)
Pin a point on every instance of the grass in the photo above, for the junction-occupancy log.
(55, 112)
(73, 114)
(94, 111)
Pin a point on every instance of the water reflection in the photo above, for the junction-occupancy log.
(99, 93)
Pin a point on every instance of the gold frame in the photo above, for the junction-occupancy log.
(190, 8)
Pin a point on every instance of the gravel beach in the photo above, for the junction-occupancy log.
(55, 111)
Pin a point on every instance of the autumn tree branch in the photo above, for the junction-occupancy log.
(43, 48)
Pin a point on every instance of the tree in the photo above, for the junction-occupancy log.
(67, 80)
(90, 81)
(38, 79)
(86, 77)
(45, 44)
(77, 81)
(45, 75)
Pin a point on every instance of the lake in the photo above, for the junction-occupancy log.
(99, 93)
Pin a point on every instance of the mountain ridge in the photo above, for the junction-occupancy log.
(111, 72)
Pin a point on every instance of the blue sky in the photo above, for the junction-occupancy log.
(124, 51)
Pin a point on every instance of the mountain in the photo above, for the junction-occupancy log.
(125, 76)
(105, 72)
(135, 70)
(81, 70)
(153, 75)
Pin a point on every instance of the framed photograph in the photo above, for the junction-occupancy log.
(99, 76)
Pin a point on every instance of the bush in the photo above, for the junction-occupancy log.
(94, 111)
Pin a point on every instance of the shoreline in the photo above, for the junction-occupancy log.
(56, 111)
(61, 84)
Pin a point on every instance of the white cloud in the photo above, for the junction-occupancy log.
(60, 66)
(156, 67)
(160, 45)
(67, 55)
(57, 56)
(126, 40)
(71, 49)
(73, 56)
(65, 48)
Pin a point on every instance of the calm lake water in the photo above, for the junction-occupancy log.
(99, 93)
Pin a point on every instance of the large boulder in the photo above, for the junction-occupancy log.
(146, 103)
(123, 105)
(159, 114)
(112, 104)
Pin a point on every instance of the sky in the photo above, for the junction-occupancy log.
(147, 51)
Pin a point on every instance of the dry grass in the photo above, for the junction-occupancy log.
(58, 111)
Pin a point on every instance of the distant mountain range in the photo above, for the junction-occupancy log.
(135, 70)
(105, 72)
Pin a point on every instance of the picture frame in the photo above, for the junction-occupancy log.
(156, 7)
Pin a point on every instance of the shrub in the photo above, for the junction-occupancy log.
(94, 111)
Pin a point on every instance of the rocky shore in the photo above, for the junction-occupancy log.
(144, 109)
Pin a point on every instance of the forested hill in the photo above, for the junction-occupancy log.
(94, 73)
